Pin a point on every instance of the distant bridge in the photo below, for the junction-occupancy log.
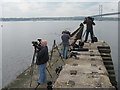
(107, 14)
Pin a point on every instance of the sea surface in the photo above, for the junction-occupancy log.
(17, 49)
(0, 56)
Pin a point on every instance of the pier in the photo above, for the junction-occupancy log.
(91, 68)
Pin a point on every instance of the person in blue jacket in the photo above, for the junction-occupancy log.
(65, 44)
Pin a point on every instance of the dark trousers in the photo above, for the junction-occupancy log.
(87, 33)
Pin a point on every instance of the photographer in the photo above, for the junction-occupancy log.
(65, 44)
(89, 23)
(41, 60)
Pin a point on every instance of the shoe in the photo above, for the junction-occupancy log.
(92, 41)
(66, 58)
(39, 83)
(49, 83)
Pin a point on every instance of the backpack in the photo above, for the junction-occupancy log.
(95, 39)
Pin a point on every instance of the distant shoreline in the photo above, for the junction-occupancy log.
(59, 19)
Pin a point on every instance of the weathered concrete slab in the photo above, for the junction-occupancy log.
(86, 81)
(87, 71)
(95, 45)
(88, 57)
(91, 52)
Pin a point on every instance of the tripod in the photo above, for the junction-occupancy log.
(32, 65)
(55, 47)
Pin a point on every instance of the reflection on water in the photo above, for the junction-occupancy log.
(18, 49)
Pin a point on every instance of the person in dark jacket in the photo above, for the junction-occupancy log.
(41, 60)
(89, 23)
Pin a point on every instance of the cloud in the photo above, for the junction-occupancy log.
(59, 0)
(110, 7)
(50, 9)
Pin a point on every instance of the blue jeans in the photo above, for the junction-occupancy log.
(64, 51)
(42, 73)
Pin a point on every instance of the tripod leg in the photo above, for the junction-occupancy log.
(74, 42)
(36, 87)
(49, 65)
(32, 66)
(49, 72)
(31, 72)
(51, 55)
(60, 54)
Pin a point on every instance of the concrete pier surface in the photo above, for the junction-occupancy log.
(91, 69)
(85, 71)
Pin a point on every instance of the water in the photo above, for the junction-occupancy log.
(0, 58)
(17, 49)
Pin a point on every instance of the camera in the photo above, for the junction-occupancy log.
(92, 19)
(39, 40)
(36, 44)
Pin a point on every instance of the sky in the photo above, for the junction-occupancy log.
(55, 8)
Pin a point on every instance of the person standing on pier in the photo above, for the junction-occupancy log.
(89, 23)
(65, 44)
(41, 60)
